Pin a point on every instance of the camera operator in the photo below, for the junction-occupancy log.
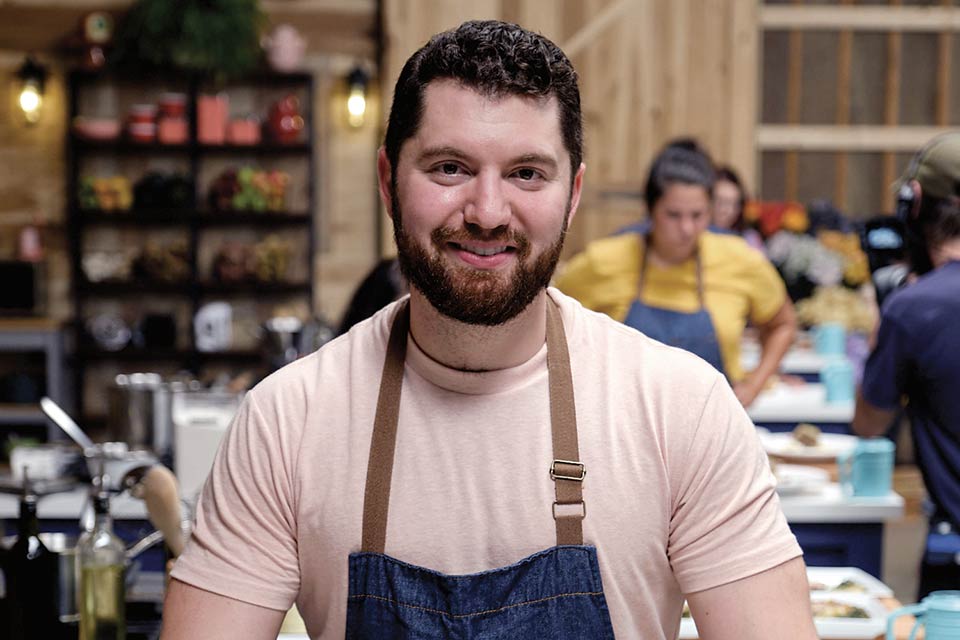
(916, 355)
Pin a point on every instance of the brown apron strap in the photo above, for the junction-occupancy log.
(376, 498)
(566, 470)
(643, 271)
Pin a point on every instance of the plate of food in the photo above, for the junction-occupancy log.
(846, 580)
(794, 479)
(807, 443)
(847, 615)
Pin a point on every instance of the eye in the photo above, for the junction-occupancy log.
(527, 174)
(449, 168)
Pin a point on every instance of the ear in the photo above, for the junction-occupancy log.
(384, 176)
(576, 190)
(917, 194)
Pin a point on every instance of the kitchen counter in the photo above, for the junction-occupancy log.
(67, 506)
(831, 505)
(790, 404)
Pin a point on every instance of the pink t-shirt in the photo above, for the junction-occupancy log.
(678, 492)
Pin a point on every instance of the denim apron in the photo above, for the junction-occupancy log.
(555, 593)
(691, 331)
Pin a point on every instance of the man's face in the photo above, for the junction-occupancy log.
(480, 201)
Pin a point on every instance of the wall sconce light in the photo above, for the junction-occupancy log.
(32, 77)
(357, 97)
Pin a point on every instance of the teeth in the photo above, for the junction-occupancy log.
(485, 252)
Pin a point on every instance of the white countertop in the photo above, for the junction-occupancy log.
(830, 505)
(796, 361)
(799, 403)
(67, 505)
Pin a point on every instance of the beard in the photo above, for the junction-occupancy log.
(474, 296)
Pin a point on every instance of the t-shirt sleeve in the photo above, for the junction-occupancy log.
(765, 287)
(884, 371)
(244, 543)
(726, 522)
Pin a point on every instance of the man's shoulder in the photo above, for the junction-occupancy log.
(933, 292)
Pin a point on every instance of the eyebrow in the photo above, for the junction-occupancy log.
(433, 153)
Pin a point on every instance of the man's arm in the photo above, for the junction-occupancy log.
(189, 612)
(771, 605)
(870, 420)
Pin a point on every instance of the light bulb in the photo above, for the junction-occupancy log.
(356, 106)
(30, 101)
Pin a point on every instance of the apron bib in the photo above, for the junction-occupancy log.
(556, 593)
(693, 332)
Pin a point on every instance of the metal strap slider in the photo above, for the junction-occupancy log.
(576, 473)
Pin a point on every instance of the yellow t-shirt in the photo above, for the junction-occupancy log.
(739, 284)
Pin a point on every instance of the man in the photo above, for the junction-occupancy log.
(545, 473)
(917, 351)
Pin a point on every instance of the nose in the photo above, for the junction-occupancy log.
(688, 226)
(487, 207)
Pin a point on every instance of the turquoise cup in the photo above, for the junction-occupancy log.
(830, 339)
(938, 614)
(867, 469)
(837, 378)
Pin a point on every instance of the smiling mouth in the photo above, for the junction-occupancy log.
(482, 251)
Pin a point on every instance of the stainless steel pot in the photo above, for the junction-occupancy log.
(139, 411)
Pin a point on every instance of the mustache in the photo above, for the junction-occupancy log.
(443, 235)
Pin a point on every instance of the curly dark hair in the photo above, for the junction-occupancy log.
(496, 59)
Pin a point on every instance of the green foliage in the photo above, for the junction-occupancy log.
(220, 38)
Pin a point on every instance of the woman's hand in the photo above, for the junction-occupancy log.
(747, 391)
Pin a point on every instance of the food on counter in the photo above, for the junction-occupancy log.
(847, 586)
(837, 304)
(835, 609)
(807, 434)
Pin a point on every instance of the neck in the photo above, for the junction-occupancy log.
(478, 348)
(659, 258)
(946, 252)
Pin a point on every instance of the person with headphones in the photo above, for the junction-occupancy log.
(916, 354)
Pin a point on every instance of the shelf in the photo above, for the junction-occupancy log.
(123, 287)
(254, 288)
(173, 217)
(21, 414)
(252, 218)
(261, 148)
(135, 218)
(128, 147)
(180, 355)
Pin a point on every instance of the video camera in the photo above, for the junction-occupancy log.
(883, 239)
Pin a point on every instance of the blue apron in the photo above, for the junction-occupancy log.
(691, 331)
(556, 593)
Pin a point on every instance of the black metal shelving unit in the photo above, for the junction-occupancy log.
(194, 221)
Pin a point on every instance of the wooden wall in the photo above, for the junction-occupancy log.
(650, 70)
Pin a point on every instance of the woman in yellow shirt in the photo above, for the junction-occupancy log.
(684, 285)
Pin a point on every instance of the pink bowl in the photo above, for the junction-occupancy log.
(97, 128)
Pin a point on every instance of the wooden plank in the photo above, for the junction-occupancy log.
(678, 68)
(891, 107)
(744, 52)
(794, 97)
(944, 50)
(860, 18)
(595, 28)
(844, 61)
(858, 138)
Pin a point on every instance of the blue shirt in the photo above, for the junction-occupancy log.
(918, 356)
